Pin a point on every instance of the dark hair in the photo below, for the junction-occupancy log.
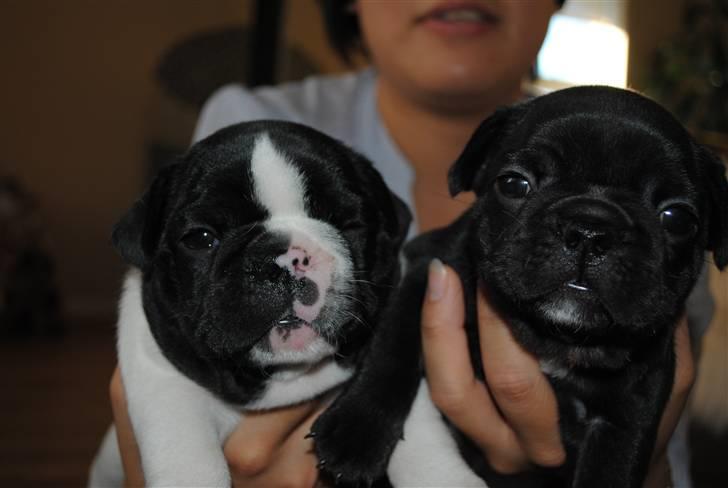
(342, 26)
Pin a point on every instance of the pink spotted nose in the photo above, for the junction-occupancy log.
(300, 261)
(313, 268)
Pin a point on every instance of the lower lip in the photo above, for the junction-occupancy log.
(295, 339)
(459, 28)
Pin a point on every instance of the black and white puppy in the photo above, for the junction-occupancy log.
(594, 210)
(260, 262)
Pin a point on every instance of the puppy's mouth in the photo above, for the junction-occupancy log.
(291, 334)
(574, 312)
(309, 322)
(292, 340)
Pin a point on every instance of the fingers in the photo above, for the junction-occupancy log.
(520, 389)
(130, 458)
(683, 383)
(453, 385)
(659, 474)
(449, 372)
(270, 449)
(294, 464)
(516, 423)
(684, 361)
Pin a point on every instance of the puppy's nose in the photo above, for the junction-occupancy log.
(591, 226)
(593, 242)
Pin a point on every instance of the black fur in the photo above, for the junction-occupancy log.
(206, 309)
(602, 165)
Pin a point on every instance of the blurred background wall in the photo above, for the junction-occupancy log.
(81, 102)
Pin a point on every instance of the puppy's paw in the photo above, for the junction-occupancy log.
(353, 445)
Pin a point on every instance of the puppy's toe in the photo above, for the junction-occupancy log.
(352, 446)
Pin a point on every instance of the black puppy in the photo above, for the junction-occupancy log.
(260, 263)
(594, 210)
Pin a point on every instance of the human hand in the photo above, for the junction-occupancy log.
(128, 448)
(514, 418)
(268, 449)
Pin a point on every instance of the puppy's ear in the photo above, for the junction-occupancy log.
(467, 172)
(717, 187)
(136, 235)
(395, 216)
(393, 219)
(403, 218)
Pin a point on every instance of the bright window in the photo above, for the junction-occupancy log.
(585, 46)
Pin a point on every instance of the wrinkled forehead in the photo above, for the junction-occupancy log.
(320, 175)
(268, 173)
(625, 151)
(288, 179)
(253, 171)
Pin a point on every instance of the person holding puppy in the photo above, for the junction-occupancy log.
(439, 69)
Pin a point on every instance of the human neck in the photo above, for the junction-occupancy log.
(431, 138)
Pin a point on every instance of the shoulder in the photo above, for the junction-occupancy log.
(323, 102)
(227, 106)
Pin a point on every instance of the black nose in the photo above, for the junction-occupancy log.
(250, 278)
(591, 227)
(591, 241)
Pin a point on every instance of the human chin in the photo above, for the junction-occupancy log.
(475, 85)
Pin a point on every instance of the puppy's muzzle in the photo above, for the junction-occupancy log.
(284, 271)
(311, 268)
(273, 287)
(590, 228)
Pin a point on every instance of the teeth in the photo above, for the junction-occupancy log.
(465, 15)
(577, 286)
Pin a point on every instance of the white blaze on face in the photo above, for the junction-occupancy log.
(316, 251)
(279, 187)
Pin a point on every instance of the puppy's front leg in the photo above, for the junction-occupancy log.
(356, 435)
(180, 438)
(179, 426)
(610, 458)
(616, 451)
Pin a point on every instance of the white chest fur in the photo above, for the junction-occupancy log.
(428, 456)
(180, 426)
(286, 387)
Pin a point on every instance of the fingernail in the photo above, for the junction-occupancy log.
(436, 284)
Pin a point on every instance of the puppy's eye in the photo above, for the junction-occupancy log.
(679, 221)
(200, 240)
(513, 185)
